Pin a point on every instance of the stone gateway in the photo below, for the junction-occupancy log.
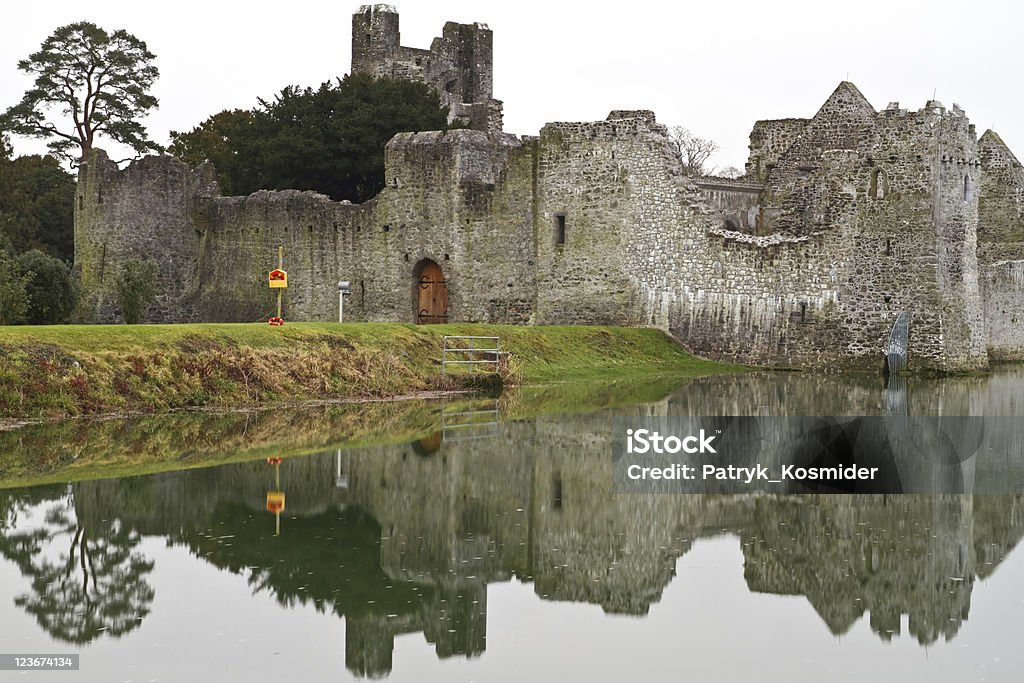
(842, 221)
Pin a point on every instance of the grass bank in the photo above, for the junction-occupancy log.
(61, 371)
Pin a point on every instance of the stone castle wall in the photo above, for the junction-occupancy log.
(738, 201)
(241, 237)
(843, 221)
(769, 140)
(1004, 310)
(143, 213)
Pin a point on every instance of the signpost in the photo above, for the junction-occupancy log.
(278, 280)
(275, 498)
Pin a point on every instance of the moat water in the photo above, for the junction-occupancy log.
(481, 541)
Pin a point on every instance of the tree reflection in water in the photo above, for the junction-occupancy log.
(86, 580)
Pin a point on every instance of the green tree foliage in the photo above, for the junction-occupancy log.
(13, 292)
(136, 289)
(330, 140)
(37, 205)
(217, 140)
(100, 80)
(48, 285)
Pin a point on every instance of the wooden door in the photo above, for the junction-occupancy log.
(432, 299)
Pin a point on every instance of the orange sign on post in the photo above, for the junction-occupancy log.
(278, 278)
(275, 501)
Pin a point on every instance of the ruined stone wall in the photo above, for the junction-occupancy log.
(240, 239)
(769, 140)
(1000, 202)
(583, 218)
(642, 247)
(461, 199)
(875, 186)
(861, 215)
(464, 201)
(736, 201)
(142, 213)
(956, 195)
(810, 185)
(1004, 310)
(1001, 247)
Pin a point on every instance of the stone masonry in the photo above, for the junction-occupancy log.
(842, 221)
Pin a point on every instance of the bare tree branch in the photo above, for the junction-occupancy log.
(693, 151)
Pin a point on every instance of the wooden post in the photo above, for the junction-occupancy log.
(280, 265)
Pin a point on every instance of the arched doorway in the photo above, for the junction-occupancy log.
(431, 298)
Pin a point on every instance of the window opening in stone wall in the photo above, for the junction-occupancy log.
(560, 229)
(557, 502)
(888, 247)
(879, 185)
(803, 312)
(967, 188)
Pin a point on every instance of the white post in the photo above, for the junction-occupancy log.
(344, 287)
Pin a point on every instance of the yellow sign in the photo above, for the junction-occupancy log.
(275, 501)
(278, 278)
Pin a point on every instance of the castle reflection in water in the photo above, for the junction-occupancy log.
(405, 538)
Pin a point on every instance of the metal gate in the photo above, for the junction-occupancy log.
(896, 351)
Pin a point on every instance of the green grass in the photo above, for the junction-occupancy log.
(80, 450)
(59, 371)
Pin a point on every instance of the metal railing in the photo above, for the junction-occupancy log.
(454, 344)
(466, 425)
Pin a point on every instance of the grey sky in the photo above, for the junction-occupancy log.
(714, 67)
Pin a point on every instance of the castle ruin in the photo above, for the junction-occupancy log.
(842, 221)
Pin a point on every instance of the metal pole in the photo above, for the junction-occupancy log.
(341, 306)
(280, 265)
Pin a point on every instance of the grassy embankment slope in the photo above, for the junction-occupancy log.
(49, 372)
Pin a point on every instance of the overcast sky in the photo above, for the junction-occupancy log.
(714, 67)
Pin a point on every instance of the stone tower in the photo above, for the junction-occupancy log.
(458, 65)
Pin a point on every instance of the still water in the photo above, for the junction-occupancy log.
(481, 541)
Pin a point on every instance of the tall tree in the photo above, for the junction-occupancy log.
(98, 80)
(330, 140)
